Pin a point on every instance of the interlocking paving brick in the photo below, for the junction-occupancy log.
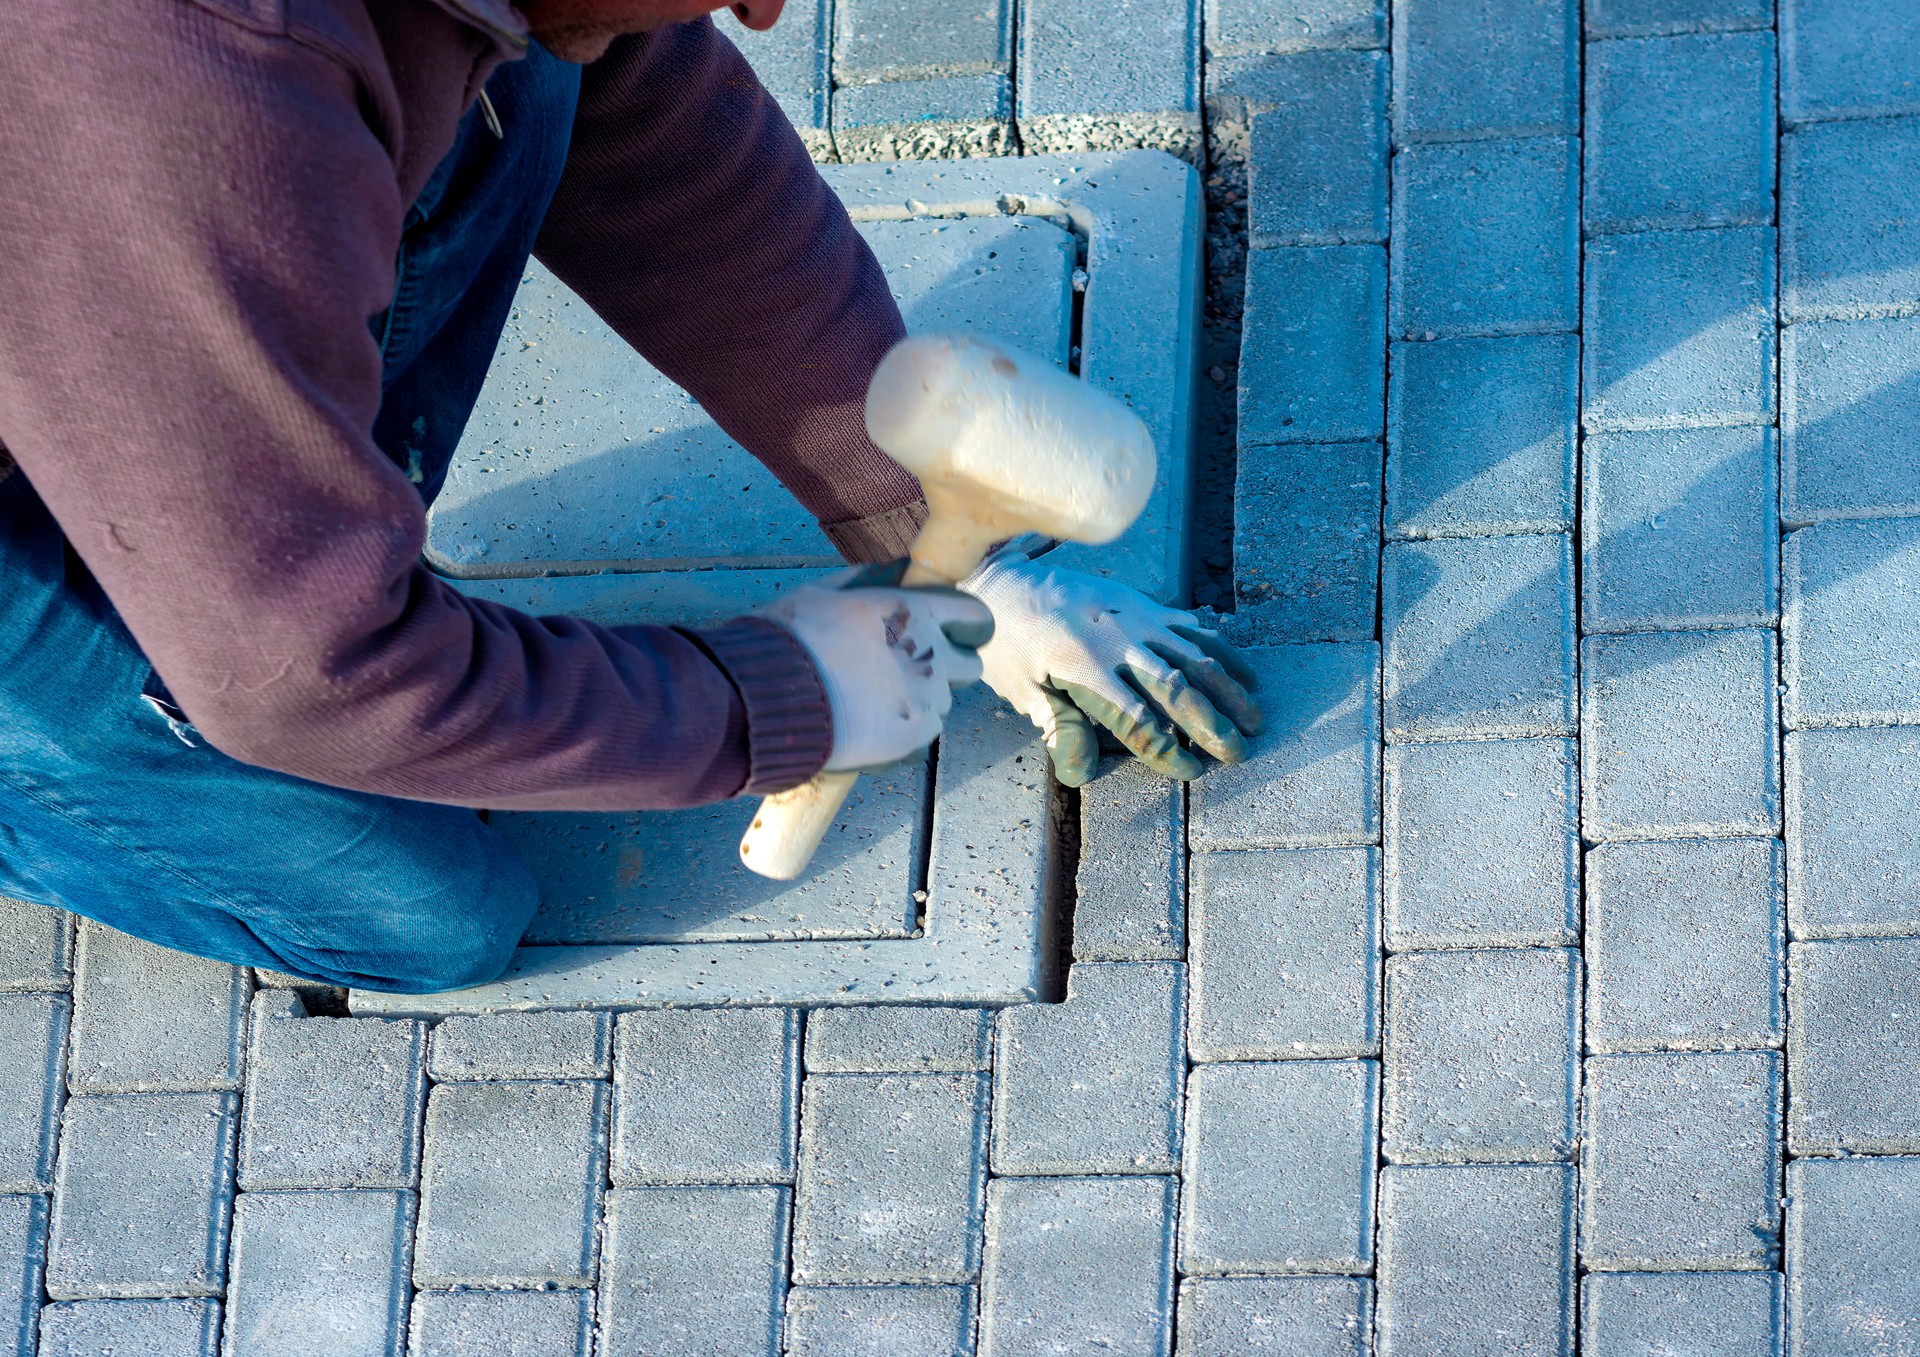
(1129, 890)
(33, 1050)
(1853, 1281)
(1317, 159)
(1479, 637)
(1679, 133)
(706, 1095)
(1850, 626)
(694, 1270)
(1247, 27)
(1849, 58)
(1121, 75)
(511, 1185)
(319, 1274)
(1680, 1161)
(1093, 1085)
(1276, 1317)
(1312, 779)
(1685, 946)
(149, 1019)
(1481, 1055)
(1849, 420)
(1852, 1061)
(1853, 833)
(1306, 538)
(331, 1102)
(1679, 530)
(791, 60)
(962, 115)
(1482, 844)
(1313, 360)
(1649, 18)
(1679, 329)
(877, 40)
(895, 1039)
(880, 1321)
(1701, 1314)
(1451, 1277)
(23, 1251)
(1286, 954)
(1850, 244)
(1486, 238)
(501, 1324)
(36, 946)
(1481, 435)
(104, 1328)
(142, 1191)
(1504, 68)
(1078, 1264)
(1680, 736)
(892, 1178)
(1279, 1167)
(555, 1044)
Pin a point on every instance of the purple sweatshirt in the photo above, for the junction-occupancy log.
(200, 209)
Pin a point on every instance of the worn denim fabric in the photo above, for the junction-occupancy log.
(111, 805)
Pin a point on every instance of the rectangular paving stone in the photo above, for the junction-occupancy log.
(36, 947)
(706, 1095)
(1504, 68)
(1702, 1314)
(962, 115)
(1483, 844)
(1680, 738)
(1121, 75)
(694, 1270)
(1679, 329)
(142, 1191)
(1853, 833)
(1685, 946)
(1248, 27)
(1649, 18)
(1481, 436)
(791, 59)
(1849, 624)
(1853, 1281)
(1130, 886)
(1853, 1064)
(1312, 779)
(501, 1324)
(1451, 1277)
(555, 1044)
(1276, 1317)
(1317, 159)
(148, 1019)
(1848, 59)
(1850, 243)
(1849, 420)
(896, 1039)
(1679, 133)
(1680, 1161)
(319, 1274)
(1479, 637)
(331, 1102)
(880, 1321)
(1078, 1264)
(23, 1253)
(1486, 238)
(33, 1038)
(877, 40)
(1306, 538)
(511, 1185)
(1313, 357)
(1679, 530)
(1093, 1085)
(1481, 1056)
(1286, 955)
(892, 1178)
(1279, 1168)
(103, 1328)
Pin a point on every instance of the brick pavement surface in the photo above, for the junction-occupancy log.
(1546, 982)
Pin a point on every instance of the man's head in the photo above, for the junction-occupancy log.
(581, 30)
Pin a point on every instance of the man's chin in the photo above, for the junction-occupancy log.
(578, 45)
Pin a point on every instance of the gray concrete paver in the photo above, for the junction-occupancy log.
(319, 1274)
(1276, 1317)
(1702, 1314)
(107, 1328)
(960, 115)
(1317, 159)
(1850, 624)
(706, 1095)
(1248, 27)
(1849, 419)
(1853, 1062)
(148, 1019)
(1124, 74)
(36, 947)
(1130, 886)
(898, 1040)
(33, 1053)
(1848, 58)
(23, 1257)
(888, 40)
(1853, 1280)
(1650, 18)
(1507, 68)
(1313, 366)
(699, 1271)
(557, 1044)
(1853, 833)
(880, 1321)
(501, 1324)
(1849, 245)
(1306, 541)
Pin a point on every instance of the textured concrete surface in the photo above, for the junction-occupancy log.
(501, 1324)
(319, 1274)
(706, 1096)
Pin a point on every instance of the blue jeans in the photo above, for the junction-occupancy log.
(113, 809)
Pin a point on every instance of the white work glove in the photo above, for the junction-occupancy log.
(1071, 650)
(889, 658)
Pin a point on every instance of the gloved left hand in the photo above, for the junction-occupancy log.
(1070, 650)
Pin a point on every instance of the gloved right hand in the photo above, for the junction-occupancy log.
(889, 658)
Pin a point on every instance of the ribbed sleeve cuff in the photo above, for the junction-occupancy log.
(878, 537)
(789, 721)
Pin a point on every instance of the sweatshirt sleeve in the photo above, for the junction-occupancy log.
(692, 220)
(201, 216)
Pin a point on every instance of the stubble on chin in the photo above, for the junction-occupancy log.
(581, 44)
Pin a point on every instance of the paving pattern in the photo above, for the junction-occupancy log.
(1549, 983)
